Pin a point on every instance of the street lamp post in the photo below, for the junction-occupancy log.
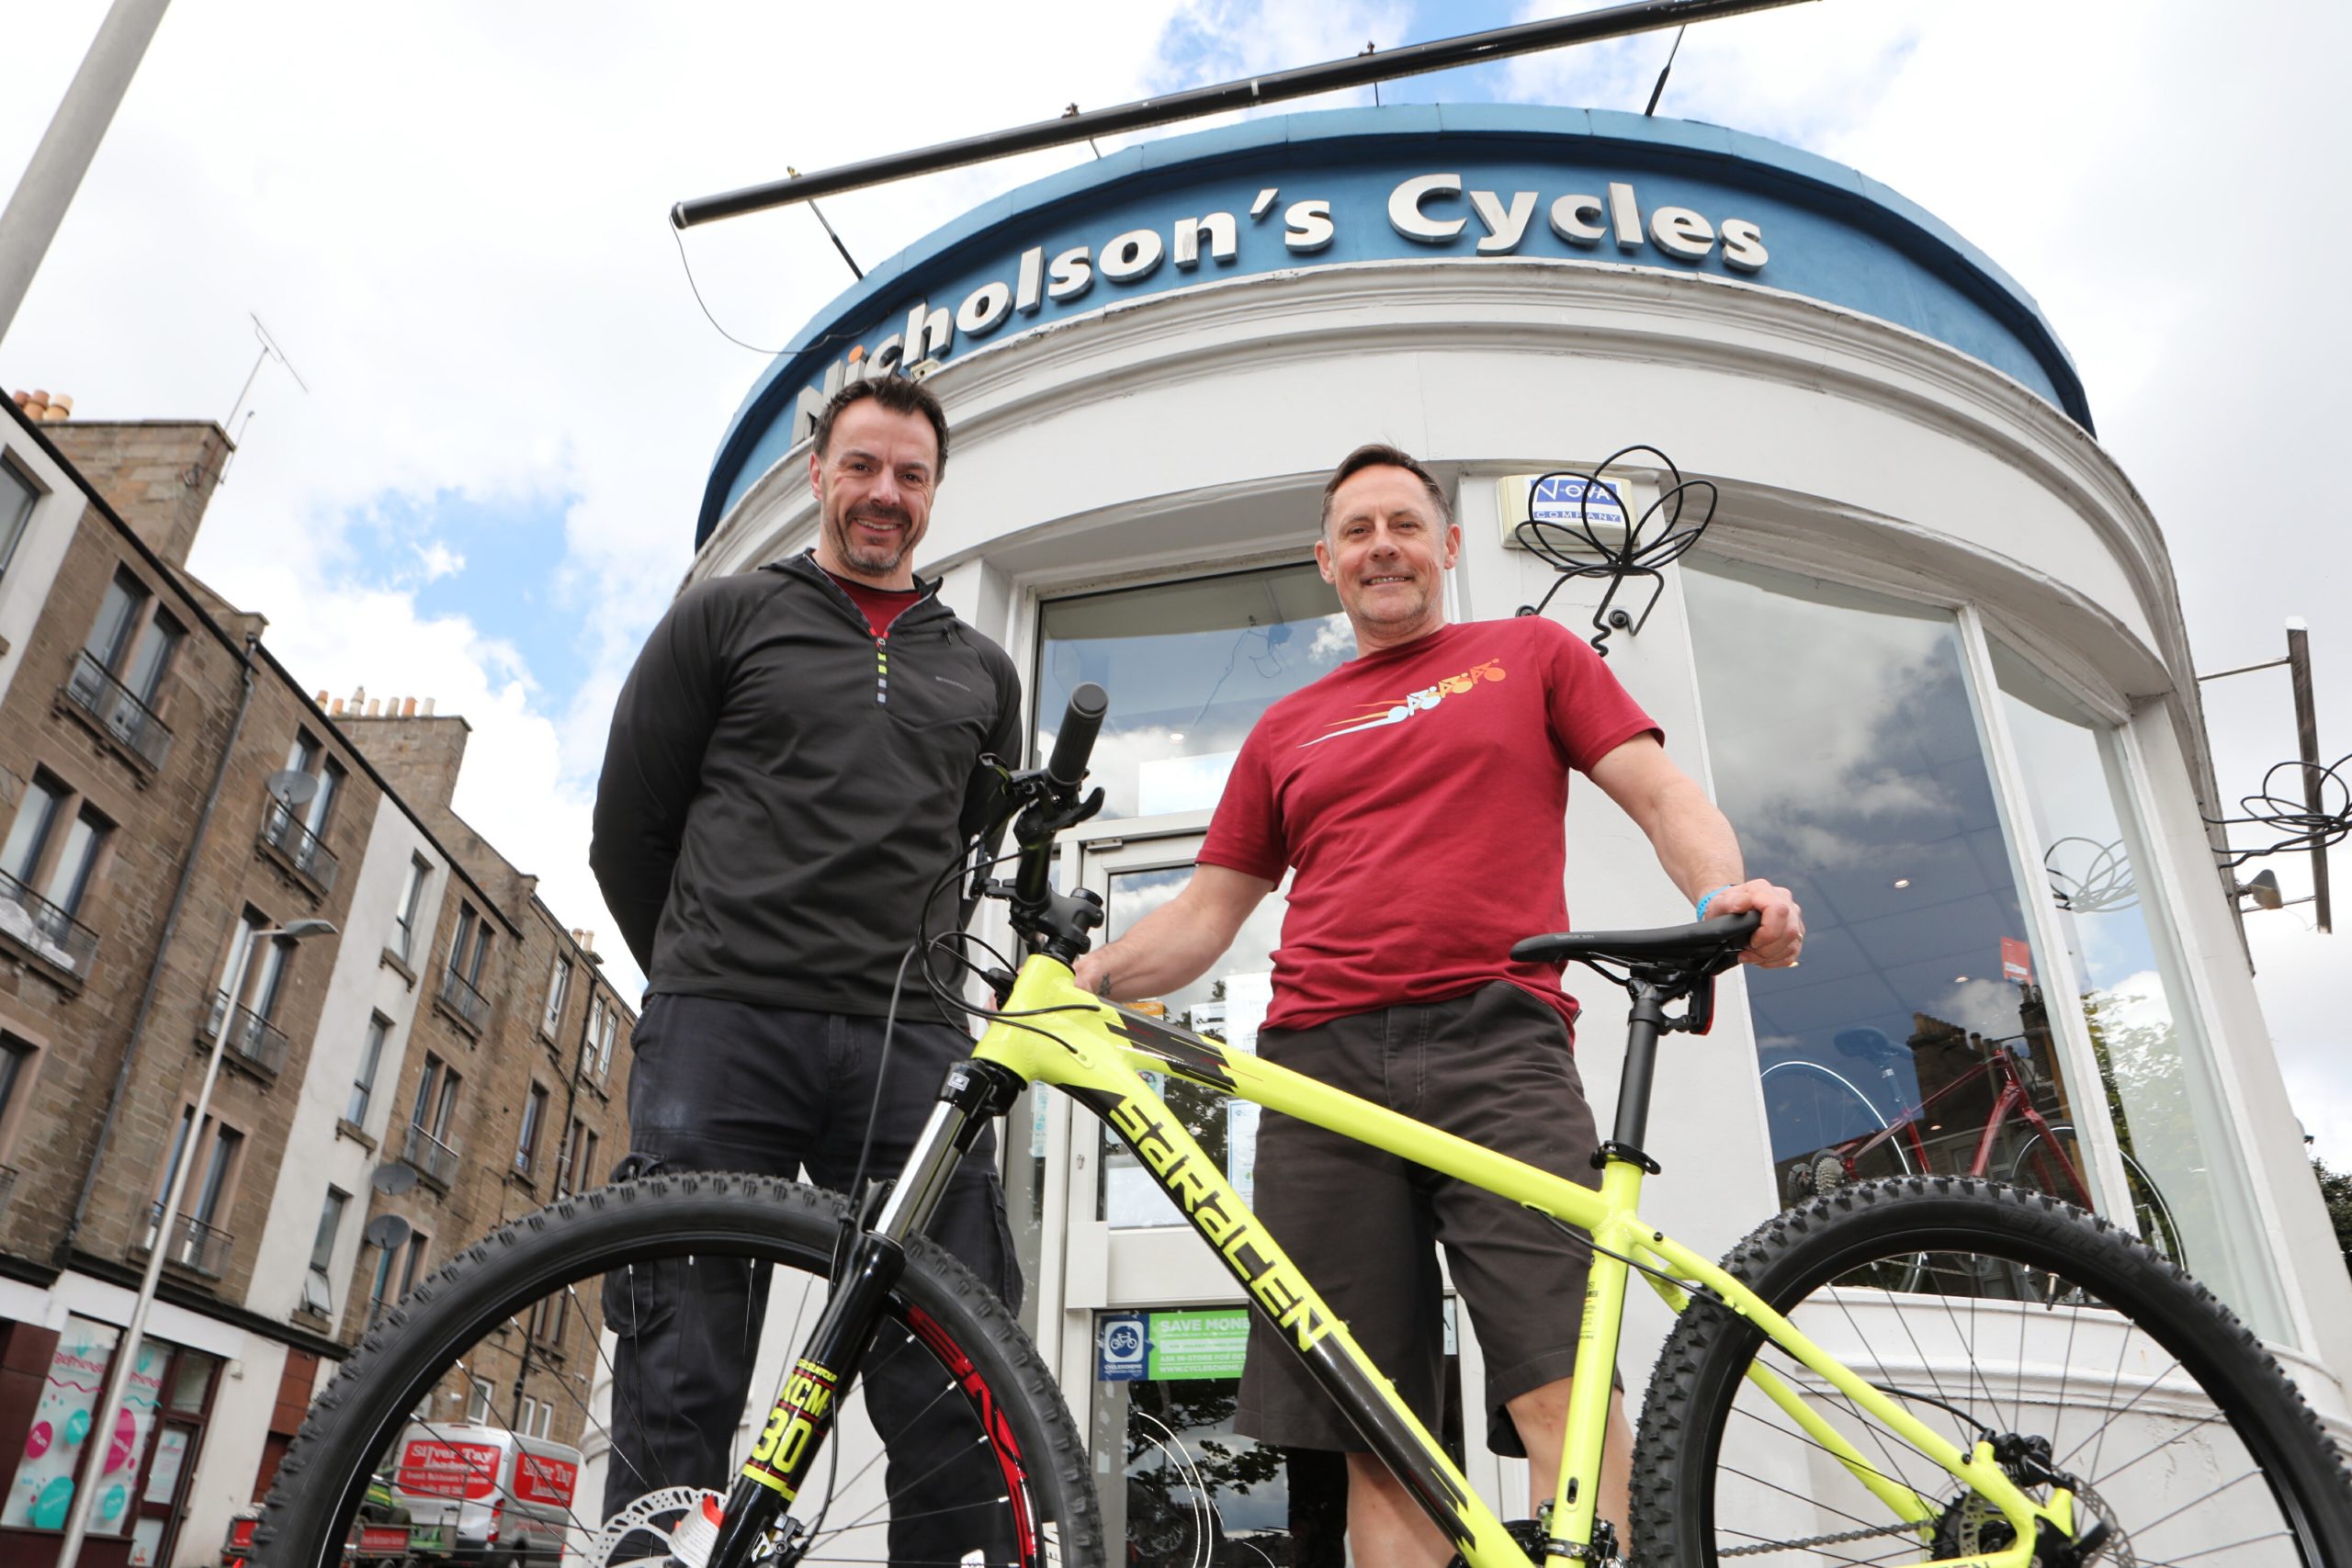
(109, 1410)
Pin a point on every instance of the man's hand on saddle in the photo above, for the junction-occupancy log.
(1780, 937)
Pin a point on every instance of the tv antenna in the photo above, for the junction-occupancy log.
(270, 351)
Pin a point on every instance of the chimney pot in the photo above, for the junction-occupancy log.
(323, 696)
(358, 695)
(335, 709)
(408, 707)
(60, 407)
(39, 401)
(372, 706)
(427, 709)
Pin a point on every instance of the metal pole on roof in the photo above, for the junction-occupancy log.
(46, 189)
(1413, 59)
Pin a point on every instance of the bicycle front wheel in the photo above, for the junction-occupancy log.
(2089, 1361)
(429, 1428)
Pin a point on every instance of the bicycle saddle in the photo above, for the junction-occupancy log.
(1707, 947)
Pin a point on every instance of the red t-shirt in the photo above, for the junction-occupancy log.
(880, 606)
(1422, 794)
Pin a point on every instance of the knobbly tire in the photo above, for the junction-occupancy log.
(450, 1329)
(2082, 1353)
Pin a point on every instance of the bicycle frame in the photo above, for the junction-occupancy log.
(1053, 1032)
(2012, 1097)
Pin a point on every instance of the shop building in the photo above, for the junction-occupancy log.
(173, 797)
(1927, 654)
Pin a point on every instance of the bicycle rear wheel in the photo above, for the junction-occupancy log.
(990, 1470)
(2075, 1349)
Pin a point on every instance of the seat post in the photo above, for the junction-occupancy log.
(1642, 1030)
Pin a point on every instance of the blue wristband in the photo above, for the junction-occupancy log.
(1711, 897)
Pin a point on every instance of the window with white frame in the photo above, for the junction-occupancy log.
(318, 1285)
(403, 942)
(16, 498)
(526, 1141)
(559, 991)
(363, 1079)
(1193, 663)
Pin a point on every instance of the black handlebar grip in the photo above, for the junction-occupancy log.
(1075, 742)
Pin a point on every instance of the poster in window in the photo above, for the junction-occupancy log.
(141, 1395)
(164, 1475)
(43, 1488)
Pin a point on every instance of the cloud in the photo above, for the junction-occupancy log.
(439, 560)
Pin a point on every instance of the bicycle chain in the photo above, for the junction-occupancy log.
(1815, 1540)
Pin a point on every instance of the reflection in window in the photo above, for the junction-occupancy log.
(1189, 665)
(1914, 1038)
(2159, 1095)
(1227, 1005)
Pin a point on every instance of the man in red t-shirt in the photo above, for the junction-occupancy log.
(1419, 793)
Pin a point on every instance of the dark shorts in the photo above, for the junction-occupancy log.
(1493, 1066)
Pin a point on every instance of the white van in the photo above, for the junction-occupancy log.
(483, 1494)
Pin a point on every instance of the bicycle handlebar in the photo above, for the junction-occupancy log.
(1074, 743)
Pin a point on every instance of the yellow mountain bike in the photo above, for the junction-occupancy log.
(1917, 1371)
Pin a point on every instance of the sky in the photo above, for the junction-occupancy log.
(452, 217)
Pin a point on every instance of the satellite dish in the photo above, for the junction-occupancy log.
(291, 786)
(387, 1231)
(392, 1179)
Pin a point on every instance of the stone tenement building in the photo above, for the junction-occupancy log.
(171, 798)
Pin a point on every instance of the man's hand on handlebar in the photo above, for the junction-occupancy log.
(1780, 937)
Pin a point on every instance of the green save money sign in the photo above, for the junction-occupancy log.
(1204, 1343)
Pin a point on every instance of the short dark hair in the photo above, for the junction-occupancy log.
(896, 393)
(1380, 454)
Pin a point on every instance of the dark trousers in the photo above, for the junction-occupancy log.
(727, 1086)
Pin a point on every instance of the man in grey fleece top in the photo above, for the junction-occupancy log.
(794, 761)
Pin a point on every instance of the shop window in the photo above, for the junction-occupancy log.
(1190, 666)
(16, 498)
(2127, 977)
(1848, 754)
(1227, 1004)
(42, 1489)
(1196, 1490)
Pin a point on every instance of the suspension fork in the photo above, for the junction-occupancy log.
(802, 1416)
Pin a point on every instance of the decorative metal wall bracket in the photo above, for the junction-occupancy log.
(1652, 542)
(2318, 817)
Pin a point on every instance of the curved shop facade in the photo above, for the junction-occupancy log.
(1928, 655)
